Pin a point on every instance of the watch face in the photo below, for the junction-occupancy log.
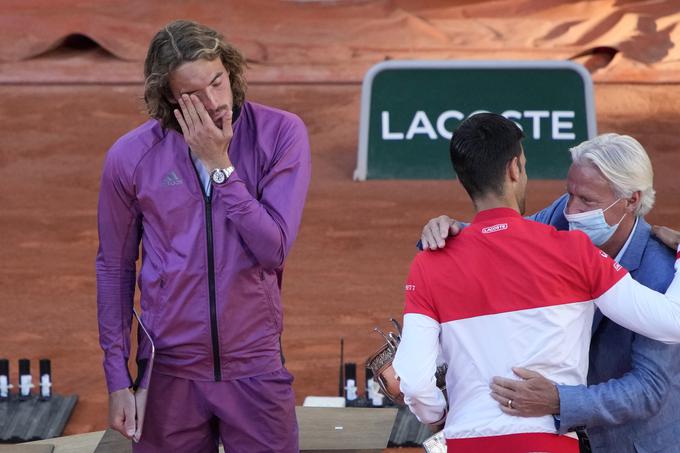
(219, 177)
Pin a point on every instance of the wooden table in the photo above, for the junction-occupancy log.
(318, 432)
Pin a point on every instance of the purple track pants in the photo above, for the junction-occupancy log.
(255, 414)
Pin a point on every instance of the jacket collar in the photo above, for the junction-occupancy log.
(633, 255)
(631, 258)
(495, 213)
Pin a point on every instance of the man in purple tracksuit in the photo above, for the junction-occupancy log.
(213, 186)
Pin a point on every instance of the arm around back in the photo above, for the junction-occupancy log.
(620, 396)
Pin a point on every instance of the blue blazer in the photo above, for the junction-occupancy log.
(632, 401)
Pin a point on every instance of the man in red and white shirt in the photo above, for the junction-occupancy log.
(510, 292)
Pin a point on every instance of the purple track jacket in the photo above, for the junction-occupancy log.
(211, 266)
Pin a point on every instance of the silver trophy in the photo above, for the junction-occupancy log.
(380, 362)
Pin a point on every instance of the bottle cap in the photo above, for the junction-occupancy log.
(350, 371)
(24, 367)
(45, 367)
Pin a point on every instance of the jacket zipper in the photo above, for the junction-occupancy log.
(207, 201)
(211, 288)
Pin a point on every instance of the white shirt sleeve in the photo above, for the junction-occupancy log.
(645, 311)
(415, 363)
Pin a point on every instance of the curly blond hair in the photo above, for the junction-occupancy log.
(179, 42)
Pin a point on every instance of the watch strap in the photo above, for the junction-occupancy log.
(221, 175)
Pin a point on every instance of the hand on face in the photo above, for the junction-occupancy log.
(206, 140)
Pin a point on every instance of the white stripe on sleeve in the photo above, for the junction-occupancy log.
(415, 364)
(645, 311)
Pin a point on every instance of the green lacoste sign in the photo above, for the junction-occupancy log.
(409, 108)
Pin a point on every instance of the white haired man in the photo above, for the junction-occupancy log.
(632, 400)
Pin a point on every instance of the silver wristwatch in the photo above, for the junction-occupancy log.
(220, 175)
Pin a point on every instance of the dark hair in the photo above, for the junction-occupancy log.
(179, 42)
(481, 148)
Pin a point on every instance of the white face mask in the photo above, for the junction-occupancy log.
(593, 224)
